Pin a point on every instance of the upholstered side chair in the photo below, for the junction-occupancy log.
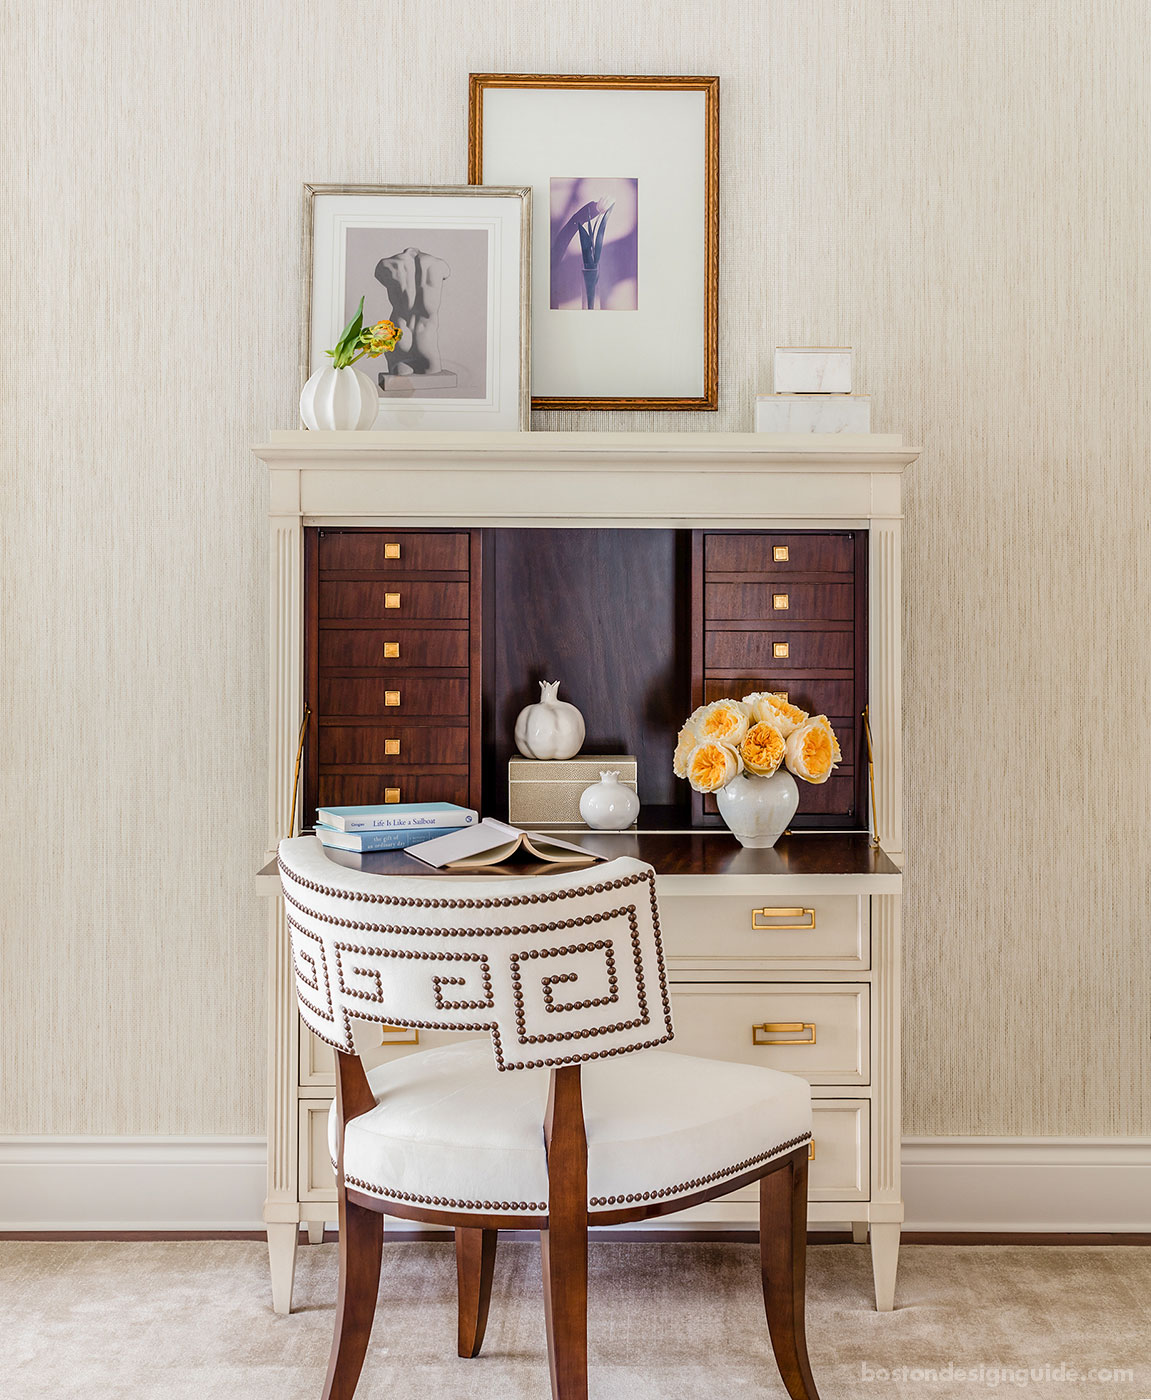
(578, 1118)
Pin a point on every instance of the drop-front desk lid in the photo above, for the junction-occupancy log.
(817, 862)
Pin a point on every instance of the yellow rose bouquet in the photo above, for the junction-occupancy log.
(747, 751)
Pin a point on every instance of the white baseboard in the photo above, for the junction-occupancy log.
(1043, 1185)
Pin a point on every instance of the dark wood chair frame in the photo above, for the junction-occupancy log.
(563, 1239)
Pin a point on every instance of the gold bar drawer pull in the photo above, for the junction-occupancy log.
(806, 915)
(784, 1033)
(811, 1150)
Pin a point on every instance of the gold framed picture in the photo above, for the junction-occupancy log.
(624, 173)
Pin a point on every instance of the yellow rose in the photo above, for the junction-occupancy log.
(762, 749)
(686, 740)
(770, 707)
(725, 720)
(711, 766)
(812, 750)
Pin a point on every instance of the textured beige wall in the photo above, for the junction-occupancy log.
(955, 187)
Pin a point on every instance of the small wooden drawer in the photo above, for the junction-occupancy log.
(773, 649)
(384, 600)
(360, 789)
(391, 551)
(776, 554)
(826, 932)
(778, 604)
(818, 1030)
(406, 696)
(839, 1167)
(317, 1175)
(393, 744)
(341, 647)
(817, 695)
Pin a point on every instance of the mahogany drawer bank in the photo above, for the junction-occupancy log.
(413, 578)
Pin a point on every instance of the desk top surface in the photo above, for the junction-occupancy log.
(670, 853)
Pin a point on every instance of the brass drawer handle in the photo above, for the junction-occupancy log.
(391, 747)
(391, 600)
(794, 1031)
(391, 794)
(811, 1150)
(781, 651)
(391, 650)
(399, 1035)
(807, 915)
(391, 697)
(391, 551)
(780, 602)
(780, 554)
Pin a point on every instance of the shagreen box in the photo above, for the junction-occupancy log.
(546, 791)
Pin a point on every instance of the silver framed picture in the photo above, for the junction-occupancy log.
(448, 265)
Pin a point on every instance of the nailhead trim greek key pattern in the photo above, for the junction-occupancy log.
(357, 986)
(684, 1188)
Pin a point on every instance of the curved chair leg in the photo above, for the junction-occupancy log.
(361, 1248)
(783, 1258)
(475, 1264)
(564, 1250)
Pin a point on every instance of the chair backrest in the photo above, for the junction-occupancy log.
(558, 969)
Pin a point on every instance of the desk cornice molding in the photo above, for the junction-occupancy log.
(638, 451)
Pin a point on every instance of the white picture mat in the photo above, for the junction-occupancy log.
(659, 138)
(333, 214)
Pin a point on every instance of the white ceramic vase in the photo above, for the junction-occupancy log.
(758, 810)
(339, 400)
(550, 729)
(608, 805)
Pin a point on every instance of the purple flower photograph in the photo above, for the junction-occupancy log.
(594, 244)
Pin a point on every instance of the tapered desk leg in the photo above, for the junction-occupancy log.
(884, 1262)
(282, 1238)
(315, 1232)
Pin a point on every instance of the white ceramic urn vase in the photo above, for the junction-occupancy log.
(608, 805)
(339, 400)
(758, 810)
(550, 729)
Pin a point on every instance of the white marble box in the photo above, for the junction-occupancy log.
(812, 370)
(813, 413)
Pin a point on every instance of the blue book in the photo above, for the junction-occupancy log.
(378, 840)
(397, 816)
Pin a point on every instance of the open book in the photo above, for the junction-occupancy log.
(492, 843)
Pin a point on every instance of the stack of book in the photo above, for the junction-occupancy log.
(390, 827)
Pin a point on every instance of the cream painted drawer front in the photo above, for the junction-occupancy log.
(317, 1177)
(825, 1035)
(375, 1045)
(840, 1165)
(828, 931)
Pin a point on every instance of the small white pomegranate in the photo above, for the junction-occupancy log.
(553, 729)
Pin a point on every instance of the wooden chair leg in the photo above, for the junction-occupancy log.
(564, 1251)
(475, 1264)
(361, 1248)
(783, 1258)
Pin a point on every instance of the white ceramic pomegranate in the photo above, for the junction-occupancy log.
(550, 729)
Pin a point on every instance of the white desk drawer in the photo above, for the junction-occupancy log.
(828, 931)
(840, 1165)
(819, 1030)
(317, 1176)
(375, 1043)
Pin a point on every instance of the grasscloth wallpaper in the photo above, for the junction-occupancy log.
(957, 189)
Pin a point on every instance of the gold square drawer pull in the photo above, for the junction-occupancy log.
(784, 1033)
(391, 649)
(391, 794)
(807, 917)
(391, 600)
(391, 551)
(780, 650)
(780, 602)
(780, 554)
(391, 747)
(391, 697)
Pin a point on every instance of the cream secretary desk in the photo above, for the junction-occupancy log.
(421, 583)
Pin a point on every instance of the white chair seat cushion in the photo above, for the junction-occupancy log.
(452, 1132)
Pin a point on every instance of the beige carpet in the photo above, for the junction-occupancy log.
(192, 1321)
